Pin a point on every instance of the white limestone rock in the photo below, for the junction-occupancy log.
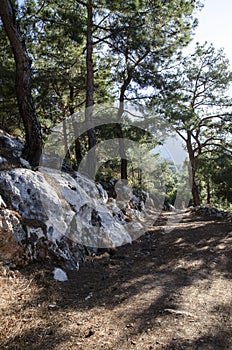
(61, 214)
(60, 275)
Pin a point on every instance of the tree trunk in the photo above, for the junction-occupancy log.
(33, 147)
(208, 189)
(78, 148)
(120, 135)
(140, 178)
(65, 136)
(195, 192)
(71, 99)
(193, 162)
(78, 152)
(121, 143)
(92, 141)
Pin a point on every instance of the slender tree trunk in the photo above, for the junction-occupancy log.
(208, 189)
(120, 134)
(126, 83)
(193, 162)
(92, 141)
(122, 152)
(71, 99)
(140, 178)
(78, 152)
(65, 135)
(78, 147)
(33, 147)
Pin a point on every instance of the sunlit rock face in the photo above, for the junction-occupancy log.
(12, 235)
(59, 214)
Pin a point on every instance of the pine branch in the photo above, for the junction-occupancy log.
(201, 123)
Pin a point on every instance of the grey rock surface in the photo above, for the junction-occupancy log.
(212, 212)
(60, 214)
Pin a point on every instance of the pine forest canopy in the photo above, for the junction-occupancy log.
(81, 53)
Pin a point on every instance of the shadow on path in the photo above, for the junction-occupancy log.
(162, 291)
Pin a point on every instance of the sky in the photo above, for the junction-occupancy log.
(215, 25)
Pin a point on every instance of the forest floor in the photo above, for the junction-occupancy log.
(165, 291)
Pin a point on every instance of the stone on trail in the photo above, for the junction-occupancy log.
(60, 275)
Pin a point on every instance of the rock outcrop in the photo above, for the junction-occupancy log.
(12, 235)
(11, 149)
(212, 212)
(57, 215)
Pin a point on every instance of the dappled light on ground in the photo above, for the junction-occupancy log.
(164, 291)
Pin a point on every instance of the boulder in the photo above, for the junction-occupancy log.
(11, 149)
(58, 215)
(12, 236)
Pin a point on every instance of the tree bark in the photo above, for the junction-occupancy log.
(193, 162)
(122, 152)
(195, 193)
(65, 136)
(120, 135)
(208, 191)
(78, 150)
(92, 141)
(33, 146)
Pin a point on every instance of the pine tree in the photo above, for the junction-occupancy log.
(33, 147)
(143, 37)
(196, 103)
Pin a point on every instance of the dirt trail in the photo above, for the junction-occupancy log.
(165, 291)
